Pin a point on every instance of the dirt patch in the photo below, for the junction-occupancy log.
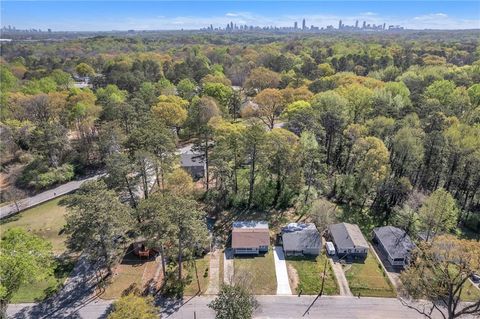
(292, 277)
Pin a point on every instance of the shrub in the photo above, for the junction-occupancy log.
(39, 176)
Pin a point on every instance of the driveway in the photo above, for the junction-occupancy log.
(392, 273)
(283, 285)
(340, 275)
(228, 270)
(214, 280)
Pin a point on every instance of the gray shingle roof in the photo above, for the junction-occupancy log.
(300, 237)
(190, 160)
(395, 241)
(347, 235)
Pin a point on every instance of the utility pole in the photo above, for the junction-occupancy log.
(321, 289)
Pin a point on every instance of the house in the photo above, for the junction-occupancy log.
(301, 239)
(250, 237)
(348, 240)
(393, 243)
(194, 164)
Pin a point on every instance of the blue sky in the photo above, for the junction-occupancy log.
(168, 15)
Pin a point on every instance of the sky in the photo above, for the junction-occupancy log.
(176, 15)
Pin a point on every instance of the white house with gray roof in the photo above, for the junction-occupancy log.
(348, 240)
(394, 243)
(301, 239)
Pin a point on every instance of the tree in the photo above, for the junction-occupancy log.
(439, 272)
(222, 93)
(171, 109)
(262, 78)
(186, 89)
(253, 140)
(24, 258)
(201, 112)
(270, 106)
(323, 213)
(97, 222)
(134, 307)
(438, 214)
(83, 69)
(359, 101)
(234, 302)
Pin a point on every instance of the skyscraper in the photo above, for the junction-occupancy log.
(356, 24)
(304, 26)
(339, 24)
(295, 25)
(364, 25)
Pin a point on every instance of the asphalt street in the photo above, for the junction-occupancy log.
(335, 307)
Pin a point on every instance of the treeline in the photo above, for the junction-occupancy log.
(374, 123)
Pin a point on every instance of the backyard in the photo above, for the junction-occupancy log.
(308, 273)
(368, 279)
(257, 272)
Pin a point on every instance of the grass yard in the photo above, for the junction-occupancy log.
(45, 220)
(470, 293)
(34, 292)
(203, 265)
(368, 279)
(259, 271)
(310, 272)
(132, 273)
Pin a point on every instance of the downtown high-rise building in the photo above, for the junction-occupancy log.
(304, 25)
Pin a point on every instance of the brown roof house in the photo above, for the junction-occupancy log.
(250, 237)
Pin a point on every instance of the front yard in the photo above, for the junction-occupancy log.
(368, 278)
(202, 269)
(257, 272)
(308, 273)
(47, 221)
(132, 273)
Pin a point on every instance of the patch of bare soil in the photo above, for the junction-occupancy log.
(292, 277)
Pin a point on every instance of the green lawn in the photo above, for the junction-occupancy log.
(203, 265)
(38, 291)
(45, 220)
(310, 272)
(368, 278)
(257, 272)
(470, 293)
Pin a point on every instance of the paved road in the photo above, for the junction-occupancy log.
(278, 307)
(69, 187)
(283, 285)
(28, 202)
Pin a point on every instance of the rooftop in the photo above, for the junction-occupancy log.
(347, 235)
(300, 236)
(395, 240)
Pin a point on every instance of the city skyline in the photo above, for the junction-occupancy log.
(194, 15)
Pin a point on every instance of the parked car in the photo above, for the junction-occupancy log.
(330, 248)
(476, 278)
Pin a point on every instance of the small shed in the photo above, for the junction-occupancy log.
(194, 164)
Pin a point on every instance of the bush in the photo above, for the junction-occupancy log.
(39, 176)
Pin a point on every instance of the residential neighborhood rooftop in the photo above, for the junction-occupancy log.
(298, 236)
(347, 235)
(395, 241)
